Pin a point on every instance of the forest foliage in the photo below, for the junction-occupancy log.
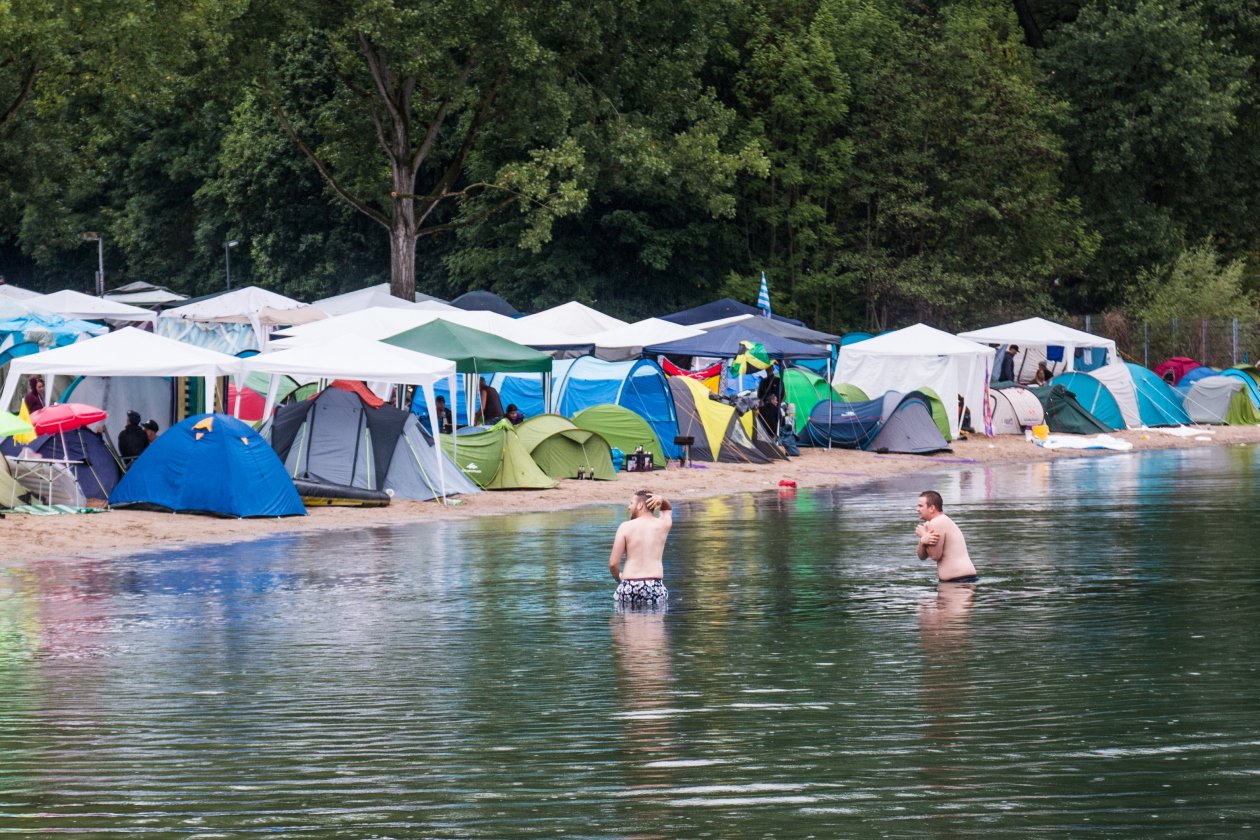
(882, 161)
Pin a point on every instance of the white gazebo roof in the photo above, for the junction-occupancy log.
(351, 357)
(144, 294)
(72, 304)
(16, 292)
(250, 305)
(1037, 331)
(573, 318)
(628, 341)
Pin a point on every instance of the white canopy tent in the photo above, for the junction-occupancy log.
(351, 356)
(377, 295)
(71, 304)
(573, 318)
(144, 294)
(124, 352)
(921, 357)
(251, 305)
(16, 292)
(1041, 340)
(379, 323)
(627, 342)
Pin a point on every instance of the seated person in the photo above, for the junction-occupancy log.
(444, 416)
(1043, 374)
(514, 414)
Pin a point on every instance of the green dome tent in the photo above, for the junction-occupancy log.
(496, 459)
(804, 389)
(622, 428)
(939, 416)
(562, 450)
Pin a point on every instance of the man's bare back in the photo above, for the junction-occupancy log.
(641, 541)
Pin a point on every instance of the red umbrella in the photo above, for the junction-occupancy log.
(65, 417)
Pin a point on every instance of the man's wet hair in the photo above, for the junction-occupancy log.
(933, 498)
(642, 495)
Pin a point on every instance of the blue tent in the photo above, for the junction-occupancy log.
(95, 469)
(210, 463)
(1195, 374)
(1158, 403)
(1094, 397)
(724, 343)
(581, 383)
(719, 309)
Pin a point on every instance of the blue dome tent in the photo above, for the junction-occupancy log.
(1158, 403)
(210, 463)
(1094, 397)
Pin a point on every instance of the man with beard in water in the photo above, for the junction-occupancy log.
(941, 540)
(641, 540)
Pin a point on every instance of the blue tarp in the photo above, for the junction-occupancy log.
(1158, 403)
(724, 343)
(210, 463)
(1094, 397)
(719, 309)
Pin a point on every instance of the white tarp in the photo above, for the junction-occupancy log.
(251, 305)
(573, 318)
(627, 342)
(125, 352)
(16, 292)
(71, 304)
(921, 357)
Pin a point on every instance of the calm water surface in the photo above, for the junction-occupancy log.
(472, 680)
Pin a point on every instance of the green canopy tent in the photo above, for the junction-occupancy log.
(496, 459)
(474, 353)
(562, 450)
(622, 428)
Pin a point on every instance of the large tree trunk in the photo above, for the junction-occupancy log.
(402, 233)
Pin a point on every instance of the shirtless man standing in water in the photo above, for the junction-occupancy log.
(641, 541)
(941, 540)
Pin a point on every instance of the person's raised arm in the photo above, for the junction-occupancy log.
(661, 505)
(618, 551)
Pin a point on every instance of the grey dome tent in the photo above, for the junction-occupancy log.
(489, 301)
(340, 441)
(1220, 400)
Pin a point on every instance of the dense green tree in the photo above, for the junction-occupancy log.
(1151, 96)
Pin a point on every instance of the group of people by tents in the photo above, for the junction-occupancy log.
(371, 398)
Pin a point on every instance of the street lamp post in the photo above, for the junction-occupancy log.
(93, 236)
(227, 259)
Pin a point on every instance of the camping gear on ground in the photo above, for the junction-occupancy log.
(623, 429)
(562, 450)
(640, 461)
(497, 460)
(1014, 409)
(1064, 414)
(721, 433)
(1158, 403)
(895, 422)
(1220, 399)
(209, 463)
(339, 440)
(68, 467)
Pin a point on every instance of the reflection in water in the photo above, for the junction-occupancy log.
(455, 679)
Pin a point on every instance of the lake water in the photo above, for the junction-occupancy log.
(472, 680)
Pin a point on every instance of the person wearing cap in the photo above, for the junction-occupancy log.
(132, 440)
(150, 427)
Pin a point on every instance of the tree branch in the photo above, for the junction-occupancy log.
(320, 166)
(422, 151)
(23, 94)
(384, 88)
(457, 162)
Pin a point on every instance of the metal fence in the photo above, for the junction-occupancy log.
(1215, 342)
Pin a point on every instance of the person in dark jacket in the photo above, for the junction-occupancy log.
(132, 440)
(1007, 371)
(34, 398)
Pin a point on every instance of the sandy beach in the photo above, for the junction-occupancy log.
(117, 531)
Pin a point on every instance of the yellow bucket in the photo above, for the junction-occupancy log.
(1040, 431)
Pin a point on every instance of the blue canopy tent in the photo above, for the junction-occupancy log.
(581, 383)
(1159, 404)
(1094, 397)
(719, 309)
(210, 463)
